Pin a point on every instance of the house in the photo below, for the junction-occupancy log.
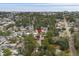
(2, 39)
(41, 30)
(14, 52)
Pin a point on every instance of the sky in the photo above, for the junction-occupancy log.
(38, 7)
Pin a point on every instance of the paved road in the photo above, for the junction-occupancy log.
(70, 39)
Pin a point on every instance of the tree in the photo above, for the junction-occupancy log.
(7, 52)
(76, 39)
(63, 43)
(29, 45)
(5, 33)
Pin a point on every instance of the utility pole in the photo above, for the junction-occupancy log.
(70, 39)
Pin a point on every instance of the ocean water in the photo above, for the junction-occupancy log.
(38, 7)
